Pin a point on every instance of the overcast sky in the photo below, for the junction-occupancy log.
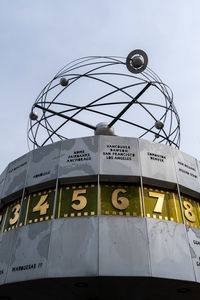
(38, 37)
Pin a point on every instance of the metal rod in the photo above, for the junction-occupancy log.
(66, 117)
(129, 105)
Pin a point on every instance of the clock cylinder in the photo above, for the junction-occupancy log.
(100, 217)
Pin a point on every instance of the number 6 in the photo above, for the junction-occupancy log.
(121, 202)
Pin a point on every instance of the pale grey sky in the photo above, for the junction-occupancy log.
(39, 37)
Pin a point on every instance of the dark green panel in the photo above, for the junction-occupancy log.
(121, 199)
(3, 214)
(77, 200)
(12, 217)
(190, 211)
(40, 206)
(162, 204)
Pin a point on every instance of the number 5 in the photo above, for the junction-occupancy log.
(82, 199)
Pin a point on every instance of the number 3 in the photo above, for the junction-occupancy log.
(15, 210)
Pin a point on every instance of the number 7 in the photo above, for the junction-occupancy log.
(159, 204)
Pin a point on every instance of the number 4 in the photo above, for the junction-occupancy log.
(42, 206)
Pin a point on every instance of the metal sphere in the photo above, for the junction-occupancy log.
(64, 81)
(137, 61)
(33, 116)
(159, 125)
(103, 129)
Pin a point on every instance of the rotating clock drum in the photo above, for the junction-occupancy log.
(95, 211)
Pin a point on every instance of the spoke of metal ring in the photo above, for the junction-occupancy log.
(129, 105)
(66, 117)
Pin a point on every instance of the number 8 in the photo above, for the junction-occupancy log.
(188, 212)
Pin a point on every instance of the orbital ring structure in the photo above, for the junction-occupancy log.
(99, 92)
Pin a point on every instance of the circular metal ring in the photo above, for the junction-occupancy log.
(56, 115)
(129, 58)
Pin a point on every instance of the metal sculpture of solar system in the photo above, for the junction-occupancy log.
(99, 212)
(103, 93)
